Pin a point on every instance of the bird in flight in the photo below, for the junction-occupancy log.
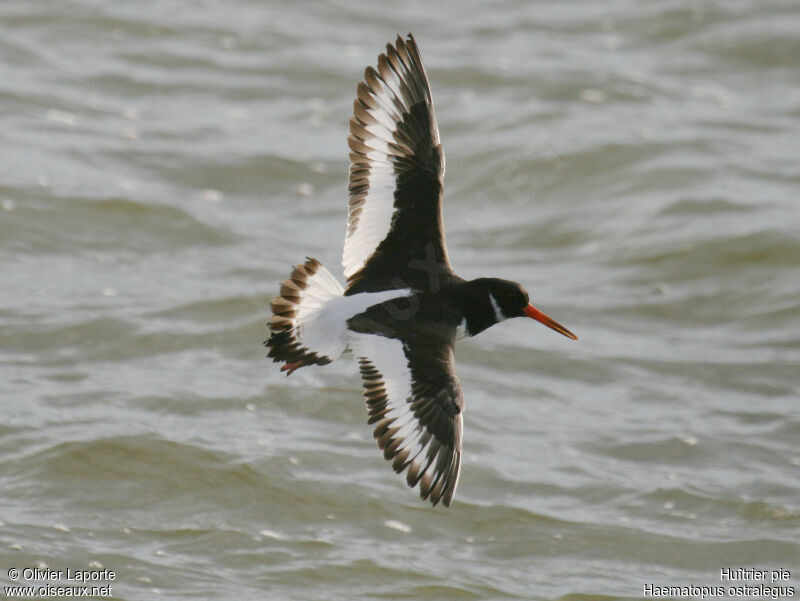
(403, 307)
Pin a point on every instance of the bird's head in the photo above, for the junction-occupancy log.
(509, 299)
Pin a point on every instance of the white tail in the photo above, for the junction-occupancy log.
(309, 318)
(302, 331)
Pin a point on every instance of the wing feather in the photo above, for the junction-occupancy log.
(414, 400)
(396, 171)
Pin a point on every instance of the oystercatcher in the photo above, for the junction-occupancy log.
(403, 307)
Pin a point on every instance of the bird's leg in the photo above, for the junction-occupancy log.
(289, 368)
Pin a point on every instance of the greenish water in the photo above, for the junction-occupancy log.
(633, 164)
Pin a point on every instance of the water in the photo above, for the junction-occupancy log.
(634, 165)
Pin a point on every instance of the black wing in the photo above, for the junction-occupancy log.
(395, 236)
(415, 402)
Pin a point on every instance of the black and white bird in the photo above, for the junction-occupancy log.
(403, 307)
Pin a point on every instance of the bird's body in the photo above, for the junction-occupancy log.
(403, 307)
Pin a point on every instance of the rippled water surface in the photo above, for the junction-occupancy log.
(633, 164)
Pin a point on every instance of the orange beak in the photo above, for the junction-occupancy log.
(534, 313)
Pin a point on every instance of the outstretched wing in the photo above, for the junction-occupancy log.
(396, 171)
(414, 400)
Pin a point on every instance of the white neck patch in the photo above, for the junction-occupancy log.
(498, 314)
(461, 329)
